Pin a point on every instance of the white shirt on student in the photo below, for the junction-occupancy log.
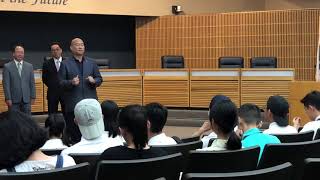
(97, 145)
(312, 126)
(205, 140)
(161, 139)
(274, 128)
(217, 145)
(53, 144)
(40, 165)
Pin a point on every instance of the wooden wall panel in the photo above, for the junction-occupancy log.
(290, 35)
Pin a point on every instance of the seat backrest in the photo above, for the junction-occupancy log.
(295, 153)
(311, 168)
(263, 62)
(166, 166)
(91, 158)
(299, 137)
(172, 61)
(223, 161)
(231, 62)
(78, 172)
(190, 139)
(282, 172)
(184, 148)
(317, 136)
(103, 63)
(51, 152)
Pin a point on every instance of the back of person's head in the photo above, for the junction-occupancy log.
(133, 120)
(250, 113)
(218, 98)
(312, 99)
(55, 124)
(88, 115)
(279, 107)
(20, 136)
(110, 112)
(224, 115)
(157, 116)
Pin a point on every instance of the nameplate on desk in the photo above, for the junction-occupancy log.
(122, 74)
(165, 73)
(215, 73)
(268, 73)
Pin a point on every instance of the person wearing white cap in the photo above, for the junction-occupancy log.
(88, 116)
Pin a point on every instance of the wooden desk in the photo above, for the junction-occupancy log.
(206, 83)
(298, 90)
(122, 86)
(169, 87)
(257, 85)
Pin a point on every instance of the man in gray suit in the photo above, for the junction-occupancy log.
(18, 82)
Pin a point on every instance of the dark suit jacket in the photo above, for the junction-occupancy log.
(73, 94)
(50, 77)
(18, 89)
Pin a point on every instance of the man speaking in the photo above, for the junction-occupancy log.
(79, 78)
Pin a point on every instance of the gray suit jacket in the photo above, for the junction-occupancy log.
(18, 89)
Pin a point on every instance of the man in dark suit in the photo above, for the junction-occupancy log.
(79, 78)
(18, 82)
(50, 78)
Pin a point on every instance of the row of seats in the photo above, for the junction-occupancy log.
(224, 62)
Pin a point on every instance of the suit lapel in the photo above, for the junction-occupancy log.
(15, 68)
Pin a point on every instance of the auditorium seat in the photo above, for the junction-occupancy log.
(190, 139)
(311, 169)
(263, 62)
(223, 161)
(295, 153)
(168, 167)
(299, 137)
(103, 63)
(51, 152)
(231, 62)
(78, 172)
(317, 136)
(184, 148)
(283, 172)
(172, 61)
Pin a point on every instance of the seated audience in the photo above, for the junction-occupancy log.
(157, 117)
(277, 112)
(88, 116)
(223, 117)
(133, 127)
(110, 111)
(249, 116)
(55, 125)
(206, 126)
(20, 140)
(311, 103)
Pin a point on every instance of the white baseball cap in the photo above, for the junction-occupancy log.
(88, 115)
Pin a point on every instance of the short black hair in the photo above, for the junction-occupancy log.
(250, 113)
(218, 98)
(55, 124)
(133, 118)
(13, 49)
(20, 136)
(157, 116)
(55, 43)
(110, 111)
(279, 107)
(312, 99)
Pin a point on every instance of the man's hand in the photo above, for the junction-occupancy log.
(91, 79)
(296, 122)
(206, 126)
(9, 103)
(76, 81)
(33, 101)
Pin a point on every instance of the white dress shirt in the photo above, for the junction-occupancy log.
(57, 61)
(53, 144)
(217, 145)
(161, 139)
(97, 145)
(274, 128)
(312, 126)
(205, 140)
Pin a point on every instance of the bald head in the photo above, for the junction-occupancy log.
(77, 47)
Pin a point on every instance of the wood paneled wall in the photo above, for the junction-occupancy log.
(290, 35)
